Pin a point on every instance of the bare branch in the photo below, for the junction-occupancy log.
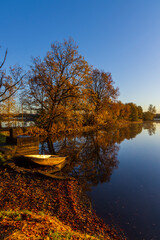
(5, 56)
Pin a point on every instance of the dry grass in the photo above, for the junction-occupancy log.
(28, 225)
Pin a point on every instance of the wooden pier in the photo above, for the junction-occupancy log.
(21, 144)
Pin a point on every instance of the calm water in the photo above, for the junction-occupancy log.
(120, 171)
(132, 197)
(17, 123)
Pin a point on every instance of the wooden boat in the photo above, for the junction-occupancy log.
(46, 160)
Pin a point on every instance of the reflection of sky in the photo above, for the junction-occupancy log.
(132, 197)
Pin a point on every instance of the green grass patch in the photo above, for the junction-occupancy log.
(15, 215)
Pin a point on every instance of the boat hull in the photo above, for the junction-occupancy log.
(46, 160)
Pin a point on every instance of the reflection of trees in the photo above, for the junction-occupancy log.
(127, 132)
(93, 156)
(151, 127)
(96, 160)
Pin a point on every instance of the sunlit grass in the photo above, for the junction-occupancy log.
(56, 229)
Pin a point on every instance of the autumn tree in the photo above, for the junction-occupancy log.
(149, 115)
(9, 105)
(9, 84)
(133, 112)
(101, 92)
(124, 111)
(57, 80)
(140, 112)
(101, 89)
(130, 112)
(115, 109)
(152, 109)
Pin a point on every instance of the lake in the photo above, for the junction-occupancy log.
(120, 172)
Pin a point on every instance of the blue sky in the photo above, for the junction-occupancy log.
(117, 36)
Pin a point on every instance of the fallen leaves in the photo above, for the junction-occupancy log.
(45, 204)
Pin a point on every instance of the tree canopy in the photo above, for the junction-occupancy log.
(101, 90)
(56, 80)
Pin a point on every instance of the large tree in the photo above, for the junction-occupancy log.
(56, 81)
(101, 89)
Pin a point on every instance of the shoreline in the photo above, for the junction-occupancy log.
(59, 199)
(36, 131)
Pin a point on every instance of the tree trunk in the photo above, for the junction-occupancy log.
(50, 146)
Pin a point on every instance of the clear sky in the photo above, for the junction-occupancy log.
(117, 36)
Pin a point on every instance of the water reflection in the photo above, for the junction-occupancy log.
(151, 127)
(92, 156)
(131, 199)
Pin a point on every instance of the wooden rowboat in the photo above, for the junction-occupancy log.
(46, 160)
